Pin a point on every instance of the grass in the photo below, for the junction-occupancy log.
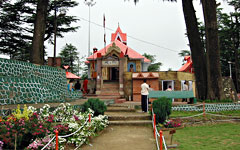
(209, 137)
(175, 114)
(228, 113)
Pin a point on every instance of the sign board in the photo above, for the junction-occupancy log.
(110, 63)
(172, 131)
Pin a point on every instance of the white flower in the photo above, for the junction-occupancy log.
(32, 109)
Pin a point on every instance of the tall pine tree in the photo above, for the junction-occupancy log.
(17, 21)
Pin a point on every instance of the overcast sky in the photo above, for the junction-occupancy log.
(153, 21)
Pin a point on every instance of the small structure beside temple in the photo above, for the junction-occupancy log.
(137, 80)
(188, 66)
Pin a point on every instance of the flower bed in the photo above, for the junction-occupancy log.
(33, 130)
(170, 124)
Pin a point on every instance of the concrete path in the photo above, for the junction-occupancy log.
(123, 138)
(129, 129)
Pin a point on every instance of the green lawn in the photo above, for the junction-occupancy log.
(175, 114)
(228, 113)
(209, 137)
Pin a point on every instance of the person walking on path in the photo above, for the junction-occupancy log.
(144, 93)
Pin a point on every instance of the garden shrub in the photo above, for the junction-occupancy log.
(96, 105)
(162, 108)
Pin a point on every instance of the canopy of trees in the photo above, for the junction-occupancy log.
(17, 20)
(70, 57)
(154, 67)
(205, 46)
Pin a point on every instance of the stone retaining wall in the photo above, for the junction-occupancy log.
(22, 82)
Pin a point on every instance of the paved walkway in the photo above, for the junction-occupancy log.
(123, 138)
(128, 130)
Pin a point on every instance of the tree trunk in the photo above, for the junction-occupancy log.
(37, 53)
(214, 77)
(236, 49)
(196, 46)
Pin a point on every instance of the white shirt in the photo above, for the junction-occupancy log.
(185, 87)
(144, 88)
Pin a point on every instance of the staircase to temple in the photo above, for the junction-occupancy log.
(109, 90)
(121, 114)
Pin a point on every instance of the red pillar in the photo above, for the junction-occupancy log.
(204, 114)
(89, 118)
(56, 131)
(161, 139)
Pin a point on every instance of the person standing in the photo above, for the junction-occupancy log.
(185, 88)
(70, 85)
(77, 86)
(144, 94)
(150, 89)
(85, 86)
(169, 88)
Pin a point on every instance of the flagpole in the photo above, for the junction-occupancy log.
(104, 33)
(89, 4)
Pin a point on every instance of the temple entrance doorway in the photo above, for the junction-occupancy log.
(114, 73)
(110, 74)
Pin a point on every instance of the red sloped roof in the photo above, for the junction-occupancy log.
(130, 52)
(187, 67)
(123, 35)
(70, 75)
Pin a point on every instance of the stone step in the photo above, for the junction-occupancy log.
(110, 90)
(110, 86)
(105, 96)
(119, 101)
(120, 109)
(119, 105)
(131, 122)
(135, 113)
(109, 94)
(123, 105)
(129, 117)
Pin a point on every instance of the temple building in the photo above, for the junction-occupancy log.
(110, 63)
(118, 71)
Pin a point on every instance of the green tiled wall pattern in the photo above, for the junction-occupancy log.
(22, 82)
(208, 107)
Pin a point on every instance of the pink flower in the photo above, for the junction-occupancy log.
(76, 118)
